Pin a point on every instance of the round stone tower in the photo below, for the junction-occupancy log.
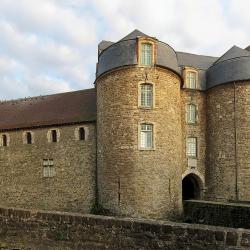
(138, 145)
(228, 132)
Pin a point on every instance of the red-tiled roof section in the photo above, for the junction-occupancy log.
(71, 107)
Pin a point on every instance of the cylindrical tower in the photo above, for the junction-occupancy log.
(228, 133)
(139, 139)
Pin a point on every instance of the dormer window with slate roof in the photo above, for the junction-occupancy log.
(191, 78)
(146, 52)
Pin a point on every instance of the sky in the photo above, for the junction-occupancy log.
(50, 46)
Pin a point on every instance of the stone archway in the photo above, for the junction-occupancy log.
(192, 187)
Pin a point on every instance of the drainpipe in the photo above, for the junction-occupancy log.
(235, 148)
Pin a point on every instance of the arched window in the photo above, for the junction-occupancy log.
(28, 138)
(191, 149)
(4, 141)
(191, 79)
(146, 136)
(191, 113)
(81, 132)
(146, 54)
(53, 135)
(146, 92)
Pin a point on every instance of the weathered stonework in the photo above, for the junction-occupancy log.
(198, 130)
(141, 183)
(21, 171)
(228, 134)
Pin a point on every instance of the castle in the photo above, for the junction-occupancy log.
(158, 127)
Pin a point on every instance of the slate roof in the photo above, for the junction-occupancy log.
(134, 34)
(65, 108)
(232, 53)
(196, 61)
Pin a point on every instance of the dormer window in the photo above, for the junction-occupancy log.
(191, 79)
(146, 54)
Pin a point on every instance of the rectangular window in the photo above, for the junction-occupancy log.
(191, 80)
(146, 54)
(146, 95)
(54, 135)
(191, 113)
(4, 140)
(191, 149)
(146, 136)
(48, 168)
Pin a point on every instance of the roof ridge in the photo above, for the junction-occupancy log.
(42, 96)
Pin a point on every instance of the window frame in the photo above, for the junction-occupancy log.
(49, 135)
(189, 114)
(140, 95)
(188, 71)
(81, 135)
(140, 42)
(4, 140)
(140, 146)
(191, 155)
(49, 170)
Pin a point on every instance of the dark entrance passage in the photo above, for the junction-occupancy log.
(191, 187)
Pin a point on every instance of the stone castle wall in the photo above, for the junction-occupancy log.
(21, 170)
(134, 182)
(228, 134)
(25, 229)
(198, 130)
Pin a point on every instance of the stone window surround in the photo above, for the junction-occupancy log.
(86, 129)
(197, 151)
(48, 165)
(25, 137)
(8, 139)
(151, 41)
(139, 95)
(153, 136)
(187, 70)
(49, 135)
(187, 113)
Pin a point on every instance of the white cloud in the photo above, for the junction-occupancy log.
(50, 46)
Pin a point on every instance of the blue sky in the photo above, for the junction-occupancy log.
(50, 46)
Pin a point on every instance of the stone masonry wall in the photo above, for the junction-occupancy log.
(228, 134)
(218, 213)
(21, 170)
(25, 229)
(134, 182)
(198, 130)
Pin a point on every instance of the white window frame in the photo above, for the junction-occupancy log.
(191, 81)
(191, 147)
(146, 95)
(146, 51)
(48, 168)
(49, 135)
(191, 113)
(146, 136)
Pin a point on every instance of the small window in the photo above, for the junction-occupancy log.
(146, 56)
(146, 95)
(146, 140)
(28, 138)
(53, 135)
(191, 113)
(81, 134)
(48, 168)
(4, 140)
(191, 147)
(191, 79)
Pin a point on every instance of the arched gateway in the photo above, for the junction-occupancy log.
(192, 187)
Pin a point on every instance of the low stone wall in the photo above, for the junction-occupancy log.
(217, 213)
(25, 229)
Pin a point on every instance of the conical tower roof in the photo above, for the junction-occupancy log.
(133, 35)
(234, 52)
